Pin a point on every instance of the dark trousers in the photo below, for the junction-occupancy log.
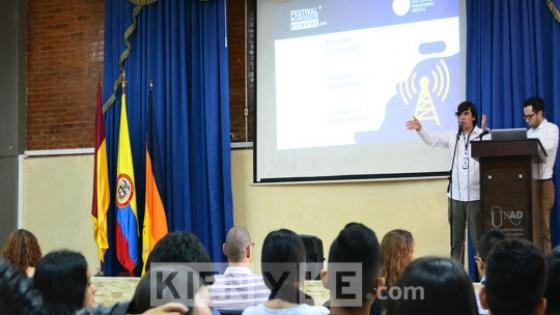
(459, 212)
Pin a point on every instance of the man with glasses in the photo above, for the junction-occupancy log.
(547, 133)
(238, 288)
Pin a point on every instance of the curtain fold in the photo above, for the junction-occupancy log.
(181, 46)
(513, 53)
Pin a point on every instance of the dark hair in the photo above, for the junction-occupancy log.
(17, 295)
(141, 301)
(536, 102)
(467, 105)
(22, 249)
(182, 247)
(61, 278)
(488, 240)
(356, 243)
(446, 289)
(515, 277)
(552, 292)
(283, 264)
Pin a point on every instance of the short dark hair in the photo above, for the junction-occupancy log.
(357, 243)
(62, 279)
(466, 105)
(515, 277)
(446, 287)
(182, 247)
(552, 292)
(488, 240)
(536, 102)
(282, 257)
(17, 294)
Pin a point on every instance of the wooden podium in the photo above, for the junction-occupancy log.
(509, 196)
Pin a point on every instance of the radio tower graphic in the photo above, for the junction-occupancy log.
(420, 89)
(425, 109)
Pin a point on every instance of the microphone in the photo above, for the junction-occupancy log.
(459, 129)
(482, 134)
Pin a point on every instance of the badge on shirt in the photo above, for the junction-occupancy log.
(465, 162)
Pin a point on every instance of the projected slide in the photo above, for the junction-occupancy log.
(342, 77)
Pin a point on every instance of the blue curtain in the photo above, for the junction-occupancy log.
(513, 52)
(181, 46)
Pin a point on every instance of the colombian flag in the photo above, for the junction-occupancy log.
(155, 221)
(101, 196)
(125, 198)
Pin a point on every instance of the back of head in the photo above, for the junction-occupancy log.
(488, 240)
(432, 285)
(235, 246)
(356, 243)
(182, 247)
(515, 277)
(397, 248)
(536, 102)
(282, 259)
(61, 278)
(552, 292)
(17, 295)
(22, 249)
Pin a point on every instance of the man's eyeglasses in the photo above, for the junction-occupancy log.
(477, 259)
(528, 117)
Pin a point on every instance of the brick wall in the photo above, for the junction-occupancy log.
(238, 12)
(64, 64)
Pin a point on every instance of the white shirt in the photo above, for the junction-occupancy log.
(465, 184)
(547, 133)
(302, 309)
(237, 289)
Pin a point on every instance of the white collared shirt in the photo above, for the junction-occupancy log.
(465, 184)
(547, 133)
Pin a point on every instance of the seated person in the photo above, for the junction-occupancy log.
(22, 251)
(195, 297)
(357, 244)
(487, 241)
(282, 257)
(432, 285)
(552, 292)
(238, 288)
(182, 247)
(515, 279)
(63, 280)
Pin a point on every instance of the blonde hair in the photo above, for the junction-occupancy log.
(397, 248)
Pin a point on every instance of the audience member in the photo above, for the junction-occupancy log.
(356, 243)
(196, 299)
(17, 295)
(432, 285)
(487, 241)
(238, 288)
(283, 255)
(22, 251)
(63, 280)
(397, 251)
(182, 247)
(515, 279)
(552, 292)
